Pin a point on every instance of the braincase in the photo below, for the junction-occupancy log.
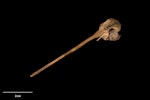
(111, 23)
(114, 24)
(115, 27)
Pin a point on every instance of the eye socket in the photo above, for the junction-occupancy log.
(113, 34)
(111, 31)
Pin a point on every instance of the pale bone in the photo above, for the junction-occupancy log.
(107, 31)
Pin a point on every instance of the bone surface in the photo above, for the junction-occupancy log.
(107, 31)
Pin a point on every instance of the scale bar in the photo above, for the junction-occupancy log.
(17, 92)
